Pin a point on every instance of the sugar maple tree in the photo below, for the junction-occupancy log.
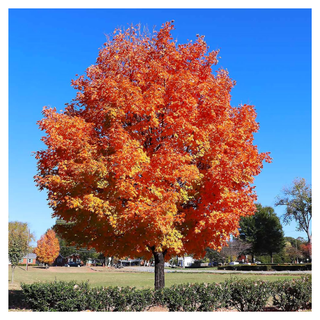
(150, 158)
(48, 248)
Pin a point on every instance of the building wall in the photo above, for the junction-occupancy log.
(30, 261)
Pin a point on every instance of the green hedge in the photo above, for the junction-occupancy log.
(268, 267)
(191, 297)
(247, 295)
(246, 267)
(292, 295)
(244, 295)
(293, 267)
(56, 296)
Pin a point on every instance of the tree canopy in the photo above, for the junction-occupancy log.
(150, 156)
(48, 248)
(19, 242)
(263, 231)
(298, 202)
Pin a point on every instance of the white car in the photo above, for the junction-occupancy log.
(233, 263)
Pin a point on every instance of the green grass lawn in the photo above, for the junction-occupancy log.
(108, 278)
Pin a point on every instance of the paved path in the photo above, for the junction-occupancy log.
(151, 269)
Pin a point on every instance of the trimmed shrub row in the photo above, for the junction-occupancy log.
(246, 267)
(244, 295)
(268, 267)
(292, 295)
(293, 267)
(56, 296)
(191, 297)
(248, 295)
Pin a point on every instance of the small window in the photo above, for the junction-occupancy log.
(30, 260)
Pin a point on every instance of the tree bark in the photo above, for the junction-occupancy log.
(159, 280)
(12, 273)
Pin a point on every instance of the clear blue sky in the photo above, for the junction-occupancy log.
(267, 52)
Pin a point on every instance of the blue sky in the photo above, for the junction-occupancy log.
(267, 52)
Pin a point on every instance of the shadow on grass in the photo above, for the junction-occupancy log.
(16, 300)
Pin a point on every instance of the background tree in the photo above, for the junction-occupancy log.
(68, 250)
(65, 248)
(264, 231)
(298, 202)
(103, 259)
(234, 248)
(214, 255)
(150, 158)
(295, 242)
(86, 255)
(19, 241)
(248, 233)
(306, 250)
(238, 247)
(291, 252)
(48, 248)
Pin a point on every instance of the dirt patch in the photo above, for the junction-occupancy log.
(157, 309)
(225, 310)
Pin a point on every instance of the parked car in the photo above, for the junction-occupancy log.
(233, 263)
(73, 264)
(213, 264)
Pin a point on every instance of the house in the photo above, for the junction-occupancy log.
(62, 261)
(130, 262)
(31, 258)
(185, 261)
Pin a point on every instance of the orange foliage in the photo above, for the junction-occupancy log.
(48, 248)
(150, 153)
(306, 249)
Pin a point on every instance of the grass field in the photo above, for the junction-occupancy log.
(109, 277)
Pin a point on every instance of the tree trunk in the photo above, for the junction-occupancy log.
(159, 269)
(310, 242)
(12, 272)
